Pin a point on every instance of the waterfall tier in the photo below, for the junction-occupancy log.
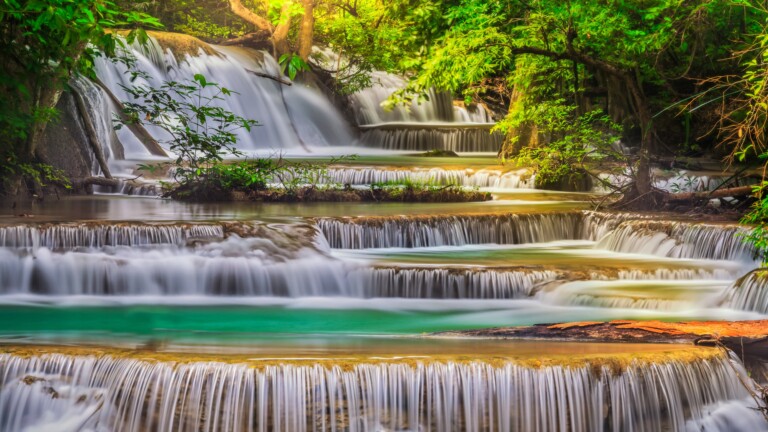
(750, 293)
(680, 240)
(433, 137)
(620, 233)
(289, 116)
(453, 283)
(674, 391)
(483, 178)
(638, 294)
(428, 231)
(98, 235)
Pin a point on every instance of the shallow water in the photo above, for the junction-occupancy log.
(251, 325)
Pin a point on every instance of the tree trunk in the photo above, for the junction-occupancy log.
(280, 35)
(306, 32)
(243, 12)
(643, 180)
(140, 131)
(48, 97)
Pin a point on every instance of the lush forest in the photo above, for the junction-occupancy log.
(565, 81)
(384, 215)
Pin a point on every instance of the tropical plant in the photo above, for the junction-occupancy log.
(200, 132)
(292, 64)
(42, 44)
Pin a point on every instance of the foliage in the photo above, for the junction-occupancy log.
(248, 175)
(758, 216)
(409, 190)
(412, 184)
(363, 36)
(42, 44)
(292, 64)
(200, 132)
(292, 175)
(210, 20)
(574, 141)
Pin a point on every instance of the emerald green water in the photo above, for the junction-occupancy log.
(246, 323)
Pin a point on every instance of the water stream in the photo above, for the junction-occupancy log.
(135, 313)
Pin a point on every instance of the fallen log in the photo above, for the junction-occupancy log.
(743, 337)
(259, 38)
(735, 192)
(141, 133)
(268, 76)
(90, 131)
(95, 181)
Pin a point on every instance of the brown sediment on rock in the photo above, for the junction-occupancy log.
(180, 44)
(749, 337)
(614, 357)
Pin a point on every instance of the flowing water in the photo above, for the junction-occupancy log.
(136, 313)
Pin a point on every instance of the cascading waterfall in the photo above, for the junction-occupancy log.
(637, 294)
(100, 109)
(439, 106)
(109, 393)
(97, 235)
(432, 137)
(619, 233)
(453, 283)
(750, 293)
(252, 259)
(675, 182)
(288, 116)
(235, 267)
(167, 259)
(680, 240)
(483, 178)
(427, 231)
(437, 122)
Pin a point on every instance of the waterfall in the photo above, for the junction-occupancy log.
(750, 293)
(453, 283)
(288, 115)
(235, 267)
(680, 240)
(431, 137)
(433, 122)
(427, 231)
(484, 178)
(97, 235)
(103, 392)
(637, 294)
(224, 258)
(438, 107)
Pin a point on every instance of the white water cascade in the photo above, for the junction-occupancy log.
(432, 122)
(482, 178)
(291, 117)
(619, 233)
(109, 393)
(428, 231)
(421, 137)
(453, 283)
(680, 240)
(750, 293)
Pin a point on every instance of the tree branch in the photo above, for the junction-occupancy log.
(247, 15)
